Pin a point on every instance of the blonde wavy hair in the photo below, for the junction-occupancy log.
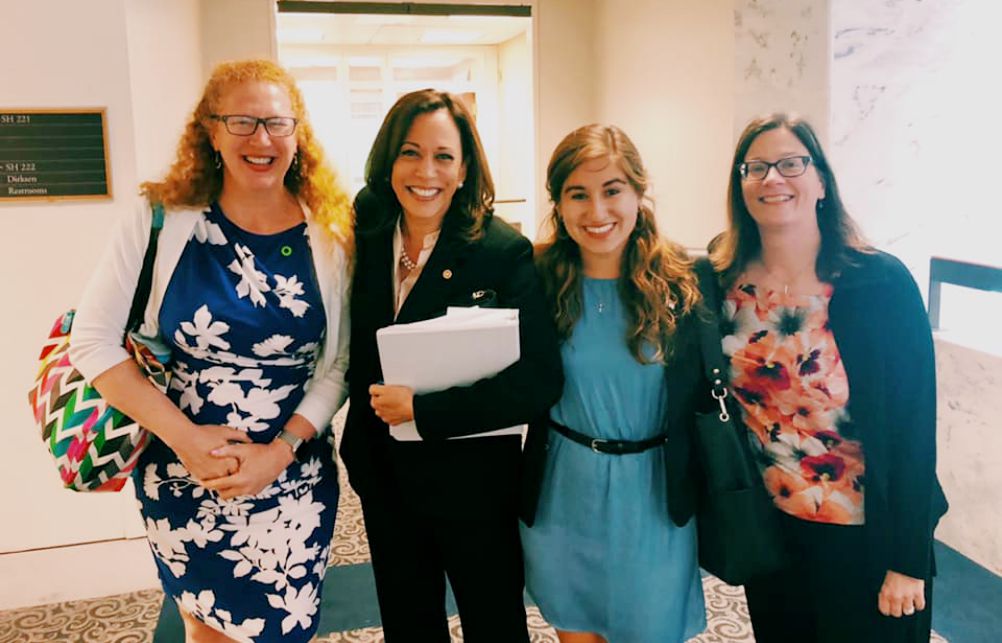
(656, 282)
(194, 179)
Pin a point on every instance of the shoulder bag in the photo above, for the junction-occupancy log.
(94, 445)
(737, 522)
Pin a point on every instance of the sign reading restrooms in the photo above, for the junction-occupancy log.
(53, 154)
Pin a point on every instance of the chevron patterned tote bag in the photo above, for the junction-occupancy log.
(94, 445)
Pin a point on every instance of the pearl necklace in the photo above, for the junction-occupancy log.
(406, 261)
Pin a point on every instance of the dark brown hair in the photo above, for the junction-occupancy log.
(740, 243)
(471, 204)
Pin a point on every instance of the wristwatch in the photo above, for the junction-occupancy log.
(293, 440)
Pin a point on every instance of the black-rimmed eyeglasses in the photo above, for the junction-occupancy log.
(789, 167)
(240, 125)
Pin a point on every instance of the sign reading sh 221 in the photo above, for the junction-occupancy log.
(53, 154)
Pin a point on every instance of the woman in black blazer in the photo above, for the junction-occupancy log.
(831, 360)
(439, 507)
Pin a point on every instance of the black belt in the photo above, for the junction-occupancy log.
(614, 447)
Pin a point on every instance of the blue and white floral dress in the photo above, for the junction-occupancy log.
(245, 321)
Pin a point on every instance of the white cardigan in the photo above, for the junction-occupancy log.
(99, 324)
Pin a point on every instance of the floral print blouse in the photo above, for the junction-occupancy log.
(788, 377)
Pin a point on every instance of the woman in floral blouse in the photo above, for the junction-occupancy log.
(831, 359)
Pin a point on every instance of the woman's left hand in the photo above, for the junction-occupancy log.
(393, 404)
(260, 465)
(901, 595)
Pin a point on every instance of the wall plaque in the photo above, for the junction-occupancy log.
(53, 154)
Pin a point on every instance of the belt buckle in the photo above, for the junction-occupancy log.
(595, 442)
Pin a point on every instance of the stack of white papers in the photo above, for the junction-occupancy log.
(457, 349)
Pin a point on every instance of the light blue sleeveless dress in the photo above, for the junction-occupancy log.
(603, 556)
(245, 321)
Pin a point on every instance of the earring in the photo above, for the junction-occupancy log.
(295, 162)
(217, 160)
(821, 204)
(460, 186)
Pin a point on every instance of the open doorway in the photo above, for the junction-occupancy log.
(352, 66)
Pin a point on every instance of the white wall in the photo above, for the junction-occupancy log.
(663, 73)
(83, 59)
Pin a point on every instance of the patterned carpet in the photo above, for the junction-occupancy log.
(132, 618)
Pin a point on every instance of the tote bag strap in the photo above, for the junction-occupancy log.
(709, 335)
(142, 295)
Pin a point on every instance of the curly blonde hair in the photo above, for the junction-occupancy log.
(194, 179)
(656, 282)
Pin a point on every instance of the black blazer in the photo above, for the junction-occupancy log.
(473, 476)
(687, 392)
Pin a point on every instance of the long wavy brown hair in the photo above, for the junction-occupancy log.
(471, 205)
(194, 180)
(656, 283)
(841, 241)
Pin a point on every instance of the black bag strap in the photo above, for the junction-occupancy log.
(709, 335)
(142, 296)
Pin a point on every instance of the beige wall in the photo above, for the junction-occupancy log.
(236, 30)
(516, 179)
(664, 71)
(565, 53)
(165, 62)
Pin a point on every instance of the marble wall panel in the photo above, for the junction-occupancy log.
(914, 104)
(970, 444)
(781, 61)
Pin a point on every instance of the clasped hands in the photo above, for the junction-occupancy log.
(226, 461)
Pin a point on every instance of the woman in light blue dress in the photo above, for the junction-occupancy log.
(611, 553)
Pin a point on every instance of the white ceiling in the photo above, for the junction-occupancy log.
(351, 29)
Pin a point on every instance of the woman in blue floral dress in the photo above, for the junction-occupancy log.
(238, 491)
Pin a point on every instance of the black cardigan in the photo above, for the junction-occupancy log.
(880, 326)
(882, 332)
